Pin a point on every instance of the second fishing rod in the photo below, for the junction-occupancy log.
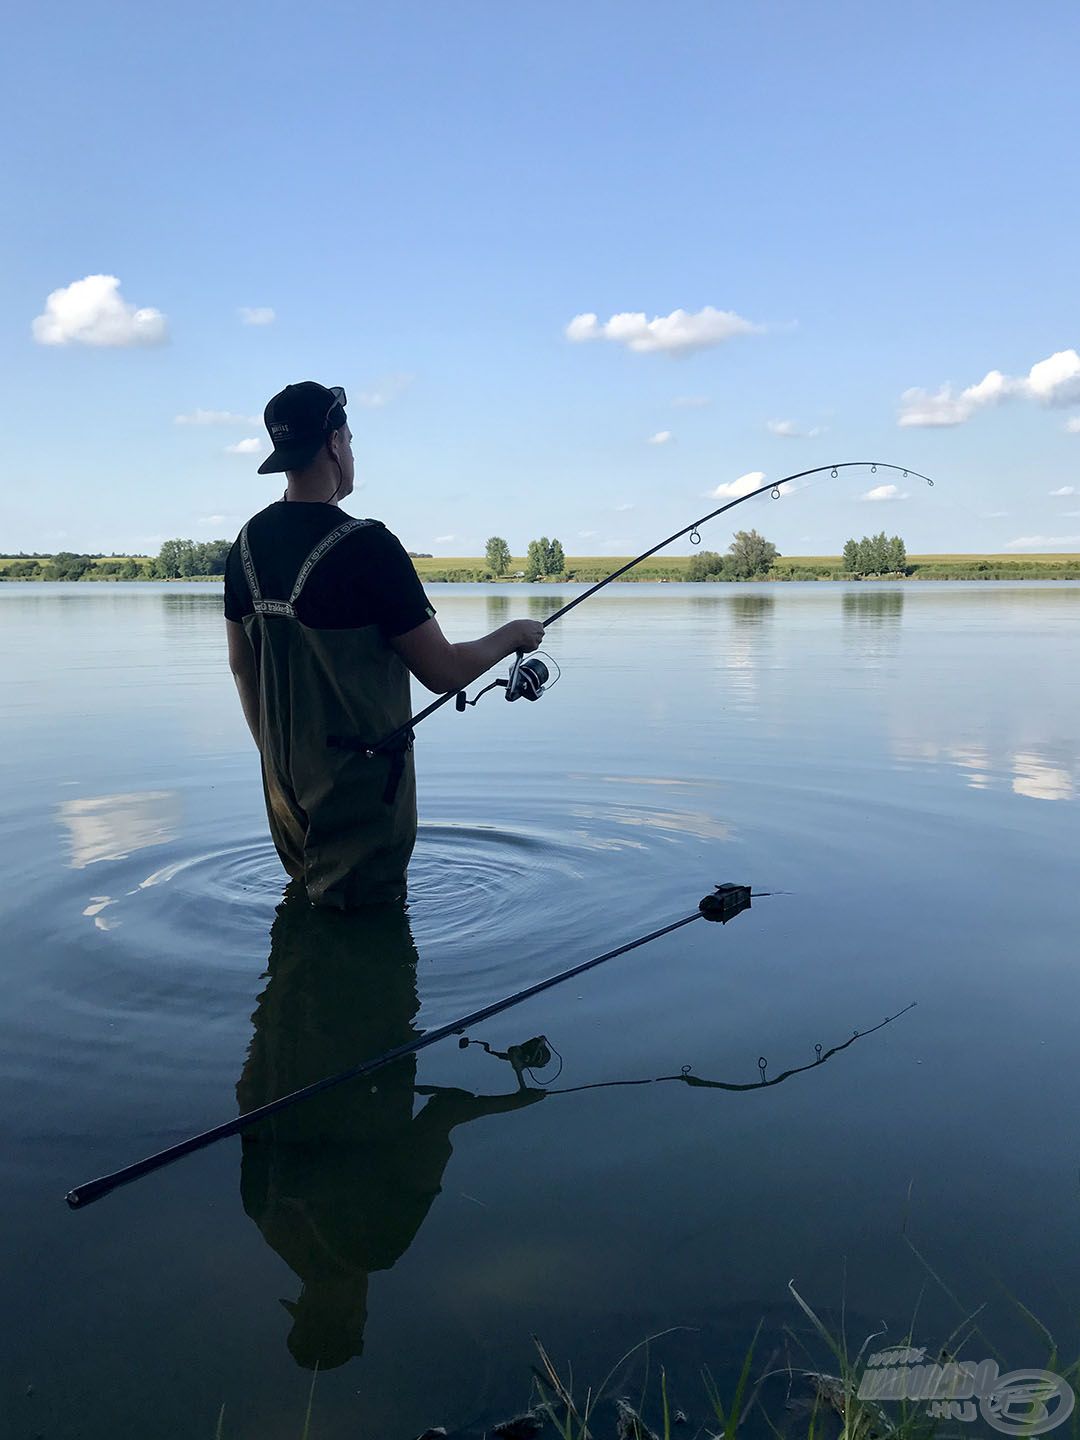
(528, 678)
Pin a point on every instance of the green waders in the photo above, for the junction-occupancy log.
(343, 822)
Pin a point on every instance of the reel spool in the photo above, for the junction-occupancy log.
(527, 679)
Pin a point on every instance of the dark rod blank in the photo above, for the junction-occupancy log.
(85, 1194)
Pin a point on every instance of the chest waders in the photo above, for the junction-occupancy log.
(342, 821)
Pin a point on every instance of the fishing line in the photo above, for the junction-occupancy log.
(721, 905)
(528, 677)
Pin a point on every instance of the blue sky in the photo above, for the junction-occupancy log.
(426, 195)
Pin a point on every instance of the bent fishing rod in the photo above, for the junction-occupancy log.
(721, 905)
(528, 678)
(536, 1053)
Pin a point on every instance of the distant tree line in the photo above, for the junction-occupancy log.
(875, 555)
(176, 560)
(544, 558)
(750, 557)
(68, 566)
(497, 555)
(184, 559)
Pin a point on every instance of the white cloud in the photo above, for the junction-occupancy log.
(691, 402)
(444, 539)
(1042, 542)
(1065, 490)
(247, 447)
(1073, 426)
(384, 392)
(884, 492)
(733, 489)
(620, 509)
(93, 312)
(920, 408)
(678, 333)
(214, 519)
(214, 417)
(586, 534)
(992, 388)
(994, 515)
(790, 430)
(256, 314)
(1053, 381)
(662, 437)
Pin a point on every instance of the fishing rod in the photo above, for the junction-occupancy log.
(722, 904)
(687, 1077)
(528, 679)
(537, 1052)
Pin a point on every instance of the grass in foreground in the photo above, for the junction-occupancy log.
(791, 1397)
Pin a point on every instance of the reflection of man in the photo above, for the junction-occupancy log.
(340, 1184)
(325, 619)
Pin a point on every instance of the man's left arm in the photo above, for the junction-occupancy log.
(242, 665)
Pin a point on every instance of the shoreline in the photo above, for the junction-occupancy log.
(587, 570)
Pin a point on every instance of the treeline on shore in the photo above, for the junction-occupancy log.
(176, 560)
(207, 562)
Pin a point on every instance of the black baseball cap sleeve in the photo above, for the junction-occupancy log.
(395, 593)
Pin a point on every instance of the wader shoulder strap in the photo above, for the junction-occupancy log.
(249, 568)
(287, 607)
(326, 544)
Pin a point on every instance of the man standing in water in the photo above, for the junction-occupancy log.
(326, 618)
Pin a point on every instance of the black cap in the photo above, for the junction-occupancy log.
(298, 419)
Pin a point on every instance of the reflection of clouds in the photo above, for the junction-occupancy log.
(668, 822)
(1034, 778)
(1026, 772)
(632, 779)
(605, 842)
(975, 760)
(98, 903)
(972, 759)
(110, 827)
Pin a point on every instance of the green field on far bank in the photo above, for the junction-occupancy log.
(788, 567)
(589, 568)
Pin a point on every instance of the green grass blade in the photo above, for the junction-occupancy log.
(310, 1401)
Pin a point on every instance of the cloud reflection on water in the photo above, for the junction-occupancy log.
(1025, 772)
(112, 827)
(1038, 780)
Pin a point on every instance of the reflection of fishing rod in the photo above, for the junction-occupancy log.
(538, 1052)
(528, 678)
(723, 905)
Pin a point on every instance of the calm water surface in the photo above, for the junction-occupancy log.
(904, 762)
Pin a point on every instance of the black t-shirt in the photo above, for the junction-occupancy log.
(366, 579)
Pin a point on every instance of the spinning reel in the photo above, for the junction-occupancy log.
(528, 679)
(536, 1053)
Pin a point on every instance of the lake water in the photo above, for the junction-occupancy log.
(902, 761)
